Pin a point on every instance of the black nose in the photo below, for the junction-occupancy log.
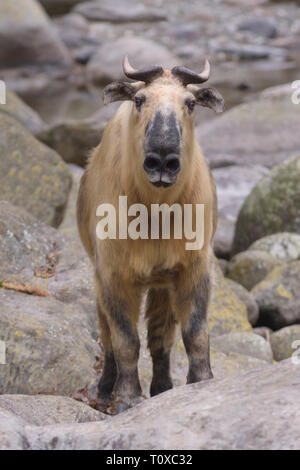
(152, 163)
(169, 164)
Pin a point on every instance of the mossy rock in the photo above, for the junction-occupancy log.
(273, 206)
(284, 247)
(32, 176)
(286, 342)
(227, 313)
(278, 297)
(248, 268)
(247, 298)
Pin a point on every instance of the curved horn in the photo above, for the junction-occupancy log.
(144, 75)
(187, 76)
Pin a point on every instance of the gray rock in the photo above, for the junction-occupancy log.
(43, 410)
(49, 346)
(50, 335)
(248, 268)
(105, 68)
(74, 139)
(31, 175)
(284, 247)
(222, 264)
(247, 298)
(12, 433)
(25, 27)
(263, 331)
(264, 27)
(273, 206)
(262, 132)
(73, 30)
(247, 344)
(258, 409)
(234, 183)
(19, 110)
(286, 343)
(251, 52)
(119, 11)
(278, 297)
(224, 237)
(25, 241)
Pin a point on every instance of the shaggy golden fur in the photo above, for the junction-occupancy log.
(177, 280)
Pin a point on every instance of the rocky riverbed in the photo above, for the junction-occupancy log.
(67, 51)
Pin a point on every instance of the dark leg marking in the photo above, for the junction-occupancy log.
(126, 346)
(109, 373)
(195, 335)
(161, 328)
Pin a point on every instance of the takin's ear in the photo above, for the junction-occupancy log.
(121, 91)
(209, 98)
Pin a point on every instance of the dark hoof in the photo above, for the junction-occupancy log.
(160, 387)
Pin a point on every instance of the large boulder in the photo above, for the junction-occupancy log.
(104, 68)
(258, 409)
(49, 345)
(248, 268)
(278, 297)
(119, 11)
(284, 247)
(263, 132)
(50, 335)
(25, 241)
(247, 344)
(25, 27)
(42, 410)
(32, 176)
(16, 108)
(273, 206)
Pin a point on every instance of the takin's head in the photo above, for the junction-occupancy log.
(163, 114)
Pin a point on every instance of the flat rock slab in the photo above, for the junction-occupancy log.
(259, 409)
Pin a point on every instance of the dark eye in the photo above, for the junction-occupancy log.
(191, 105)
(139, 100)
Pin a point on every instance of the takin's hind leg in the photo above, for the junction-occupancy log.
(161, 329)
(109, 373)
(195, 332)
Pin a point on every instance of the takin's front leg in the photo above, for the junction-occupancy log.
(161, 328)
(109, 373)
(195, 332)
(121, 305)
